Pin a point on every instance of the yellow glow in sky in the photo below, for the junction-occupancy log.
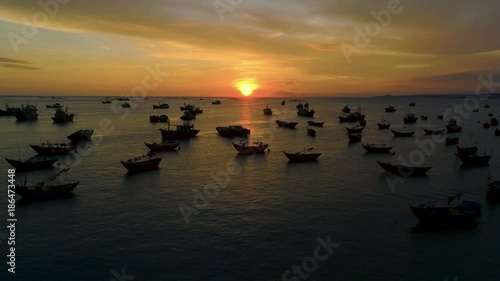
(246, 87)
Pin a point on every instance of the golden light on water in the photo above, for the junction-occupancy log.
(247, 86)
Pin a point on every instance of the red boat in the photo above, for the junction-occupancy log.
(141, 164)
(52, 148)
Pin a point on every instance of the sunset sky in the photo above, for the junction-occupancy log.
(291, 48)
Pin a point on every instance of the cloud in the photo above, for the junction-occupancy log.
(20, 67)
(8, 60)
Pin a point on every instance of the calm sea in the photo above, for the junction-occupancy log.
(267, 216)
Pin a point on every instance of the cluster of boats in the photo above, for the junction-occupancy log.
(29, 112)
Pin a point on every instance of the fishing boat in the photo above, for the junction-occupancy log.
(142, 163)
(49, 148)
(354, 137)
(286, 124)
(125, 105)
(283, 102)
(453, 127)
(63, 116)
(106, 100)
(161, 118)
(299, 106)
(161, 106)
(423, 117)
(123, 99)
(28, 112)
(486, 125)
(197, 110)
(352, 117)
(494, 121)
(54, 105)
(362, 122)
(475, 160)
(412, 103)
(475, 109)
(188, 115)
(305, 112)
(464, 212)
(302, 156)
(187, 107)
(346, 109)
(410, 118)
(316, 124)
(184, 131)
(9, 111)
(404, 132)
(33, 163)
(486, 106)
(355, 130)
(440, 117)
(81, 135)
(45, 190)
(311, 132)
(435, 131)
(390, 108)
(245, 148)
(497, 132)
(384, 124)
(216, 102)
(469, 150)
(490, 114)
(450, 141)
(268, 111)
(233, 131)
(164, 146)
(402, 170)
(377, 148)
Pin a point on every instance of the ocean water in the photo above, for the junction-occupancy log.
(265, 215)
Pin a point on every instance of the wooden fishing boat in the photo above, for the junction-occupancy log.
(63, 116)
(453, 127)
(464, 212)
(187, 107)
(351, 117)
(354, 137)
(435, 131)
(245, 148)
(423, 117)
(161, 106)
(317, 124)
(268, 111)
(9, 111)
(410, 118)
(188, 115)
(299, 106)
(475, 160)
(311, 132)
(493, 122)
(377, 148)
(283, 102)
(233, 131)
(450, 141)
(44, 190)
(302, 156)
(305, 112)
(346, 109)
(384, 124)
(390, 108)
(404, 132)
(48, 148)
(486, 125)
(28, 112)
(80, 135)
(412, 104)
(33, 163)
(469, 150)
(54, 105)
(440, 117)
(216, 102)
(355, 130)
(161, 118)
(286, 124)
(164, 146)
(106, 100)
(404, 171)
(126, 105)
(142, 163)
(184, 131)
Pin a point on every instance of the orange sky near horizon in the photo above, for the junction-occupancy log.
(287, 48)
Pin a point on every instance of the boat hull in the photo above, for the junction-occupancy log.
(162, 147)
(31, 165)
(47, 151)
(404, 171)
(302, 157)
(377, 149)
(142, 166)
(178, 135)
(52, 192)
(317, 124)
(251, 149)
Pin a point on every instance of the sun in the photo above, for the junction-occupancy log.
(246, 87)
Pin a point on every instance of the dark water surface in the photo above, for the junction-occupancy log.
(268, 214)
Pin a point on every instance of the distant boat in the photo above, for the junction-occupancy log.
(494, 121)
(42, 190)
(377, 148)
(412, 104)
(299, 106)
(54, 105)
(403, 170)
(354, 137)
(106, 100)
(390, 108)
(126, 105)
(283, 102)
(142, 163)
(435, 131)
(123, 99)
(475, 160)
(244, 148)
(317, 124)
(311, 132)
(346, 109)
(404, 132)
(188, 115)
(305, 112)
(33, 163)
(464, 213)
(302, 156)
(486, 106)
(233, 131)
(286, 124)
(184, 131)
(450, 141)
(486, 125)
(469, 150)
(410, 118)
(161, 118)
(216, 102)
(81, 135)
(423, 117)
(161, 106)
(384, 124)
(475, 109)
(28, 112)
(9, 111)
(453, 127)
(355, 130)
(164, 146)
(440, 117)
(62, 116)
(352, 117)
(49, 148)
(268, 111)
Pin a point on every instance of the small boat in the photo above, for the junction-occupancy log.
(469, 150)
(161, 118)
(142, 163)
(384, 124)
(54, 105)
(283, 102)
(402, 170)
(497, 132)
(354, 137)
(463, 213)
(268, 111)
(302, 156)
(351, 117)
(161, 106)
(184, 131)
(188, 115)
(123, 99)
(80, 135)
(233, 131)
(412, 104)
(453, 127)
(216, 102)
(404, 132)
(435, 131)
(346, 109)
(440, 117)
(486, 106)
(377, 148)
(305, 112)
(311, 132)
(450, 141)
(28, 112)
(493, 122)
(187, 107)
(299, 106)
(317, 124)
(486, 125)
(355, 130)
(423, 117)
(286, 124)
(475, 109)
(164, 146)
(106, 100)
(9, 111)
(197, 110)
(390, 108)
(250, 148)
(33, 163)
(126, 105)
(410, 118)
(49, 148)
(43, 190)
(475, 160)
(490, 114)
(62, 116)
